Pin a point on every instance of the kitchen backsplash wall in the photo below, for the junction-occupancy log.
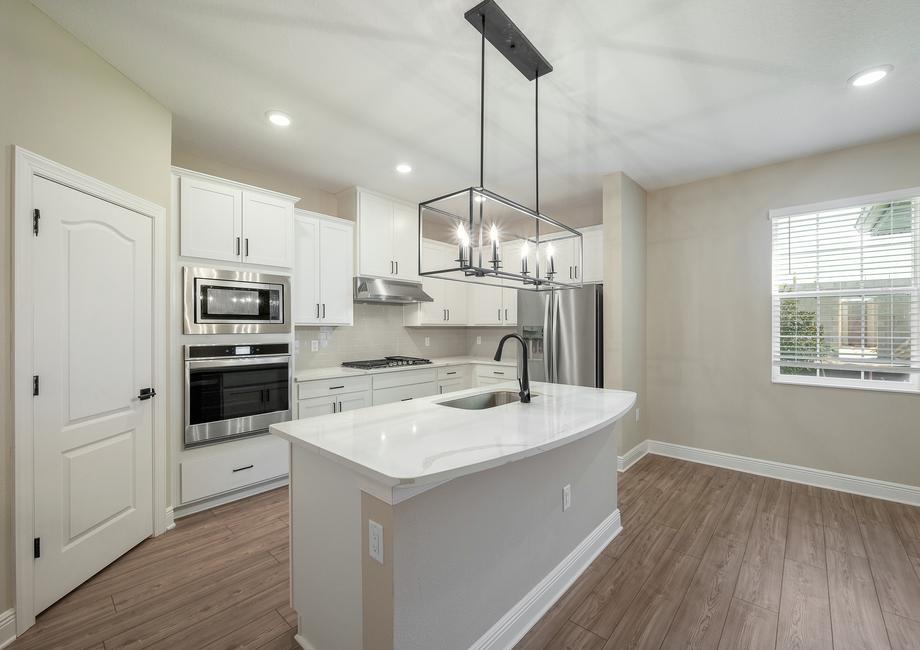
(378, 331)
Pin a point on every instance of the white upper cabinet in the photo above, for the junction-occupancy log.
(227, 221)
(267, 229)
(593, 245)
(387, 235)
(211, 219)
(450, 298)
(323, 262)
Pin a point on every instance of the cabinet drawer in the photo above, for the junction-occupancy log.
(404, 393)
(227, 470)
(322, 387)
(453, 372)
(499, 372)
(404, 378)
(451, 385)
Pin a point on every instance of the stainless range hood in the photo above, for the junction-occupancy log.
(393, 292)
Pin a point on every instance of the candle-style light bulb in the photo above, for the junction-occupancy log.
(464, 243)
(550, 251)
(525, 252)
(493, 235)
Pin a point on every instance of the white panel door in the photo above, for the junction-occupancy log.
(268, 223)
(509, 306)
(336, 267)
(210, 220)
(305, 306)
(375, 233)
(93, 291)
(405, 241)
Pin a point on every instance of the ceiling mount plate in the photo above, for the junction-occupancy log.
(508, 39)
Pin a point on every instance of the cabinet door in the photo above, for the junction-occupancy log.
(509, 306)
(352, 401)
(305, 289)
(210, 217)
(485, 304)
(563, 258)
(336, 267)
(433, 313)
(405, 241)
(404, 393)
(457, 300)
(308, 408)
(593, 255)
(512, 261)
(450, 385)
(268, 223)
(375, 236)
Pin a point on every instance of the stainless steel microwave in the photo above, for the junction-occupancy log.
(236, 302)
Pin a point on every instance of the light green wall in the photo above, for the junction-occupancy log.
(62, 101)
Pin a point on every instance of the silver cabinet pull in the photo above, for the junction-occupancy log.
(497, 372)
(336, 387)
(333, 408)
(240, 469)
(452, 372)
(340, 407)
(576, 271)
(506, 314)
(448, 314)
(397, 267)
(324, 310)
(237, 245)
(499, 313)
(317, 310)
(391, 267)
(247, 247)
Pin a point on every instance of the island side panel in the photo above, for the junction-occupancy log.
(326, 580)
(469, 550)
(377, 578)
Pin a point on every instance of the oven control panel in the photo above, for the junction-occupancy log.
(223, 351)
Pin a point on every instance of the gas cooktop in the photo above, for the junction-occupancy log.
(386, 362)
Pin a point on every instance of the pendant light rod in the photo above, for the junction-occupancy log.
(536, 140)
(482, 104)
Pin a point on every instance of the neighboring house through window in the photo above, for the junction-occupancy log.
(846, 283)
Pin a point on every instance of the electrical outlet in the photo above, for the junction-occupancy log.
(375, 540)
(427, 341)
(314, 346)
(566, 497)
(478, 340)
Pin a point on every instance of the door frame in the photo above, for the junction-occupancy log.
(26, 165)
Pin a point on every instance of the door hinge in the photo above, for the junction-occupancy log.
(37, 547)
(36, 215)
(34, 385)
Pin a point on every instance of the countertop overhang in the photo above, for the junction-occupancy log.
(405, 448)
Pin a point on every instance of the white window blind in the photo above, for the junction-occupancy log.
(845, 294)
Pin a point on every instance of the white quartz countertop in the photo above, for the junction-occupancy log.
(420, 442)
(334, 372)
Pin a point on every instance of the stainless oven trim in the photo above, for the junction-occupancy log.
(222, 430)
(190, 326)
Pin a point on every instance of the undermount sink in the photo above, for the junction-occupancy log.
(482, 401)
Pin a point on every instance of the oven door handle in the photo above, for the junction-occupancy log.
(194, 364)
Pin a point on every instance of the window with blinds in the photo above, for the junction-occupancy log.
(846, 293)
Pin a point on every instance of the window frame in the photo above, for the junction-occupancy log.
(911, 386)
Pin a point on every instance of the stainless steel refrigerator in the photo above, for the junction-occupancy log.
(564, 332)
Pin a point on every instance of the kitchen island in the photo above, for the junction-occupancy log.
(421, 525)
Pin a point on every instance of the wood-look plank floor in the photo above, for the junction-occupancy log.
(711, 558)
(708, 558)
(219, 580)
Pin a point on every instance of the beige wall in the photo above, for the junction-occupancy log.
(62, 101)
(311, 198)
(624, 296)
(709, 323)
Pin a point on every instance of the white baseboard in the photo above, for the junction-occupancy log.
(7, 627)
(869, 487)
(630, 458)
(511, 627)
(303, 643)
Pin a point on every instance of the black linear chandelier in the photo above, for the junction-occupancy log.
(476, 235)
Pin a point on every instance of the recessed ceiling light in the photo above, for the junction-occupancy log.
(870, 76)
(278, 118)
(403, 168)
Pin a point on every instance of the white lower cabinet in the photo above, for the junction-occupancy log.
(216, 470)
(404, 393)
(450, 385)
(486, 375)
(325, 396)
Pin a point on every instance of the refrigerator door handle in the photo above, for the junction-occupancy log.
(548, 349)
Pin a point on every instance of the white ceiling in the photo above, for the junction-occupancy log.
(667, 90)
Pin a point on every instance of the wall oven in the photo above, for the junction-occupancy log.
(236, 302)
(235, 390)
